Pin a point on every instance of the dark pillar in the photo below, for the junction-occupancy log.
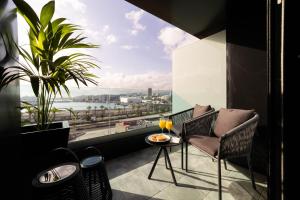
(247, 72)
(9, 113)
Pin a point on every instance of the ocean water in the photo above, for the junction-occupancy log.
(84, 105)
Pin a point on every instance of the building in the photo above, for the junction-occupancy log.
(127, 100)
(149, 92)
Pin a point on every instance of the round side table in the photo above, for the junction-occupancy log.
(163, 147)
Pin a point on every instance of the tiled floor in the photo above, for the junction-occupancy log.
(128, 178)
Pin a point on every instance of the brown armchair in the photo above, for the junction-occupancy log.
(180, 118)
(223, 134)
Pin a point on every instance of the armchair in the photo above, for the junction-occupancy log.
(223, 134)
(180, 118)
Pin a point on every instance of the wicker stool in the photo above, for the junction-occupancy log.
(60, 182)
(62, 178)
(95, 176)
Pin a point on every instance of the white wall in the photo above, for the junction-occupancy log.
(199, 73)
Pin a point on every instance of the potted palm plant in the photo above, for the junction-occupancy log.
(48, 67)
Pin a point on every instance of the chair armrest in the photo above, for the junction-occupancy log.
(200, 125)
(180, 117)
(238, 141)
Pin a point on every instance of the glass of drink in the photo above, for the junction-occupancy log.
(169, 125)
(162, 124)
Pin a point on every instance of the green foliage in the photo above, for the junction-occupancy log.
(46, 66)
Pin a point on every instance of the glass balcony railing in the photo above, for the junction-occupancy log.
(108, 111)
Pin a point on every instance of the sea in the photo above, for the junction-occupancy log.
(85, 105)
(76, 106)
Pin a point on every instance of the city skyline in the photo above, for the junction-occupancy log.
(135, 46)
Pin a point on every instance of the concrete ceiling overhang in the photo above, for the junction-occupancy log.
(200, 18)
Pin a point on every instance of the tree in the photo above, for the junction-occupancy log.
(54, 111)
(102, 112)
(71, 111)
(30, 109)
(95, 111)
(87, 113)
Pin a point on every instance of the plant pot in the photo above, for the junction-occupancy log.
(35, 147)
(38, 142)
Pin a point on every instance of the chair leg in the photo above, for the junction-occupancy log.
(225, 164)
(219, 179)
(170, 149)
(182, 155)
(251, 172)
(186, 156)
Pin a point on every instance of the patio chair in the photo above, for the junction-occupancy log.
(223, 134)
(180, 118)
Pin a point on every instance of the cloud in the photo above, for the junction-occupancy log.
(76, 5)
(133, 32)
(110, 39)
(94, 35)
(105, 29)
(172, 38)
(153, 79)
(135, 17)
(129, 47)
(106, 67)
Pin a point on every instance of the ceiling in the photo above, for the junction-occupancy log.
(200, 18)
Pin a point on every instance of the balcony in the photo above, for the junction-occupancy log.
(128, 177)
(226, 68)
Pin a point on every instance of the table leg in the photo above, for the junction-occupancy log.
(169, 161)
(182, 155)
(154, 164)
(166, 163)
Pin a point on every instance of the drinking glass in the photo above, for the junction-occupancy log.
(162, 124)
(169, 125)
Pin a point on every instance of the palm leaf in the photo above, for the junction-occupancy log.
(47, 13)
(56, 23)
(28, 14)
(35, 84)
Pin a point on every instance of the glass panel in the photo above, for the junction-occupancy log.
(110, 111)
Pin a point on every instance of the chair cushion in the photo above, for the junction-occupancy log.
(229, 118)
(208, 144)
(200, 110)
(177, 129)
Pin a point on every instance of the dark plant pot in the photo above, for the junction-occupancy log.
(37, 143)
(35, 147)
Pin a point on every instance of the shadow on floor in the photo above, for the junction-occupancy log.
(121, 195)
(236, 188)
(132, 161)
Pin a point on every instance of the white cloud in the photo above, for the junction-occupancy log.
(133, 32)
(172, 38)
(137, 81)
(129, 47)
(105, 29)
(111, 39)
(76, 5)
(92, 34)
(106, 67)
(135, 17)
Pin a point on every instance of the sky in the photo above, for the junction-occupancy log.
(135, 46)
